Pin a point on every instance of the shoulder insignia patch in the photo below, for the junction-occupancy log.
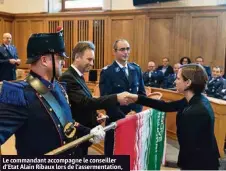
(135, 64)
(106, 67)
(12, 93)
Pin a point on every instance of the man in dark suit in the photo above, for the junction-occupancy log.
(118, 77)
(152, 77)
(36, 110)
(200, 60)
(8, 59)
(83, 105)
(165, 67)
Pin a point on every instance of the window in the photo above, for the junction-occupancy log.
(69, 5)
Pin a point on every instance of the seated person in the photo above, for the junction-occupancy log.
(215, 83)
(152, 77)
(165, 67)
(200, 60)
(222, 93)
(169, 82)
(185, 60)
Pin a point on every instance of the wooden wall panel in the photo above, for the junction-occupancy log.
(53, 24)
(141, 41)
(182, 36)
(204, 38)
(37, 26)
(83, 30)
(161, 40)
(98, 40)
(8, 26)
(68, 26)
(22, 33)
(152, 34)
(122, 28)
(1, 27)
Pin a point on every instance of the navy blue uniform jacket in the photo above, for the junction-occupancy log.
(113, 80)
(36, 127)
(7, 70)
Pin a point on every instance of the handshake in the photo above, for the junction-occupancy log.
(126, 98)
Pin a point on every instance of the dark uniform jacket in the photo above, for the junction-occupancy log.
(154, 79)
(208, 71)
(114, 80)
(24, 113)
(222, 93)
(83, 105)
(214, 87)
(169, 81)
(195, 131)
(7, 70)
(169, 70)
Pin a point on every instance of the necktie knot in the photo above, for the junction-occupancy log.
(124, 70)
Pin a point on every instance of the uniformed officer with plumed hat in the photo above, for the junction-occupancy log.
(36, 110)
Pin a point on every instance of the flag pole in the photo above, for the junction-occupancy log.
(78, 141)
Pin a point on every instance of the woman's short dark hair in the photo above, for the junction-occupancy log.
(185, 57)
(198, 76)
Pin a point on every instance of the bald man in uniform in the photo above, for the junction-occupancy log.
(8, 59)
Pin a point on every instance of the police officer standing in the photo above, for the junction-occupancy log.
(152, 77)
(8, 59)
(118, 77)
(36, 110)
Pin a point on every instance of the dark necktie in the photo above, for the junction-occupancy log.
(8, 48)
(124, 70)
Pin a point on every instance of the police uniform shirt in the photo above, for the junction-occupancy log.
(124, 68)
(149, 74)
(164, 69)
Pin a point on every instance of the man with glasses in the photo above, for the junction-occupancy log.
(165, 67)
(83, 104)
(152, 77)
(118, 77)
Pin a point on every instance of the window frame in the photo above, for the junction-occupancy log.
(79, 9)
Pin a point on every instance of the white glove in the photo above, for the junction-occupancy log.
(98, 133)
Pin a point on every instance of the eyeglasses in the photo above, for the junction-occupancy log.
(123, 49)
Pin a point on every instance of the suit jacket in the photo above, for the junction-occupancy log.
(113, 80)
(155, 80)
(83, 105)
(169, 81)
(169, 70)
(195, 131)
(7, 70)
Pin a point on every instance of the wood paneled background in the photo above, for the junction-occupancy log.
(152, 33)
